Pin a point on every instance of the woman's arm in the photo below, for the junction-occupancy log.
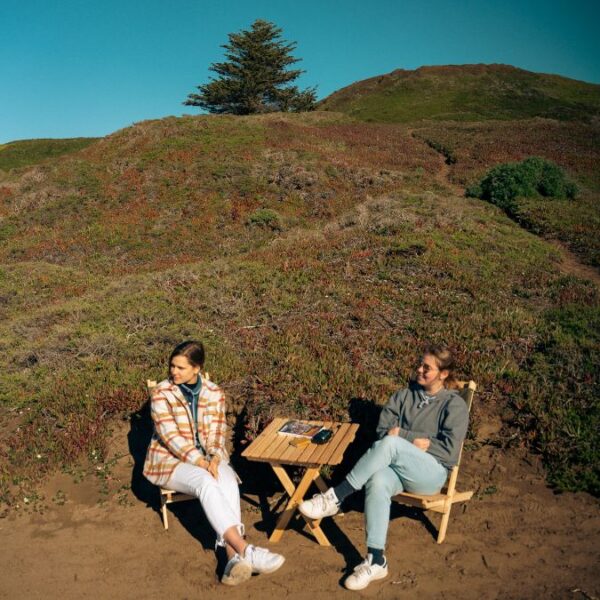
(167, 429)
(389, 420)
(445, 446)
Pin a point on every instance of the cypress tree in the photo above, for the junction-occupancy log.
(255, 78)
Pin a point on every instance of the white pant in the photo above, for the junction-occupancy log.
(220, 499)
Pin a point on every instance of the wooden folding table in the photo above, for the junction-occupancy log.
(277, 450)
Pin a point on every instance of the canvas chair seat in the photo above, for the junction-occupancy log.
(443, 501)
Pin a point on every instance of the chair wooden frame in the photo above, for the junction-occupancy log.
(168, 496)
(442, 502)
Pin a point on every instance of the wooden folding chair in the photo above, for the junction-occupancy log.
(167, 496)
(442, 502)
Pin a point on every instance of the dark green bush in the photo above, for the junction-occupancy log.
(531, 177)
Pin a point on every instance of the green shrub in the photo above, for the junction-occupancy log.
(531, 177)
(265, 217)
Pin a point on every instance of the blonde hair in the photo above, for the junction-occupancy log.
(445, 362)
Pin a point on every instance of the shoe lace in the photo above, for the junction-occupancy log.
(258, 552)
(321, 501)
(363, 569)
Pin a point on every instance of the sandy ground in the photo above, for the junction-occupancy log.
(514, 539)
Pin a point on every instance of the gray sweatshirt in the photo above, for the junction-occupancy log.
(443, 421)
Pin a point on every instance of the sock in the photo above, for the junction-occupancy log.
(343, 490)
(377, 555)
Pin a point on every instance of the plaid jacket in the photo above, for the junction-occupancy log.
(174, 429)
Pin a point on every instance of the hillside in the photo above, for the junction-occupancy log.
(313, 254)
(24, 153)
(479, 116)
(466, 93)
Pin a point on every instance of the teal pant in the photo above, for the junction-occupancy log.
(392, 465)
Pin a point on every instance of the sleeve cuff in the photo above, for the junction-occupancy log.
(196, 458)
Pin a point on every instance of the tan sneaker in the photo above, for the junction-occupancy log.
(237, 570)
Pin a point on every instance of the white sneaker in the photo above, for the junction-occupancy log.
(321, 505)
(237, 570)
(262, 560)
(365, 573)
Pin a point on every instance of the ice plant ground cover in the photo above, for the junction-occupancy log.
(164, 231)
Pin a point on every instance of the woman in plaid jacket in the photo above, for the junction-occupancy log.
(187, 454)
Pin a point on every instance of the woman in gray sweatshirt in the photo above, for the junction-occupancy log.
(420, 432)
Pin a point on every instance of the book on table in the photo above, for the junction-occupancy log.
(300, 429)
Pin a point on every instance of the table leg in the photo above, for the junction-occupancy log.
(296, 497)
(320, 483)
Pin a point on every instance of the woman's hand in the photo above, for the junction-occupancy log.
(394, 431)
(422, 443)
(213, 466)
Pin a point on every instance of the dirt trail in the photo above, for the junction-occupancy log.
(569, 264)
(514, 540)
(443, 178)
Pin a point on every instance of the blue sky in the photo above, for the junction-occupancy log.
(73, 68)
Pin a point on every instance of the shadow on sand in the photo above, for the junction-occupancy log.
(261, 489)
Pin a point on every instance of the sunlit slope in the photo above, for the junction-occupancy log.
(466, 93)
(313, 254)
(139, 199)
(24, 153)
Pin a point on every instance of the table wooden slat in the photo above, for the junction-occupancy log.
(319, 453)
(348, 430)
(272, 446)
(255, 449)
(326, 450)
(293, 453)
(279, 443)
(309, 451)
